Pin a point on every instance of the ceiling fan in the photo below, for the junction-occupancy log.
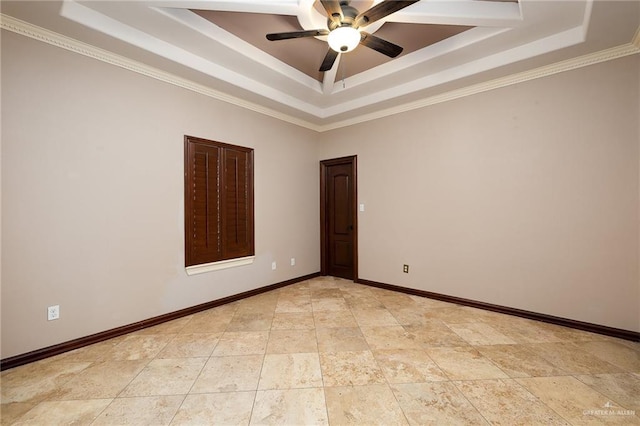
(344, 34)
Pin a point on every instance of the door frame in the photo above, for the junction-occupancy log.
(353, 161)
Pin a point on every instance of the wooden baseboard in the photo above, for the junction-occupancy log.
(50, 351)
(580, 325)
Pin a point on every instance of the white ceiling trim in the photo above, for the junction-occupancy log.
(356, 93)
(277, 7)
(436, 50)
(32, 31)
(214, 32)
(41, 34)
(461, 12)
(628, 49)
(564, 39)
(106, 25)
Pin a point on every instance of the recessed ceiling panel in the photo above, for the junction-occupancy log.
(306, 54)
(450, 47)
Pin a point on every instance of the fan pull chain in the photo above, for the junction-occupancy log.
(344, 70)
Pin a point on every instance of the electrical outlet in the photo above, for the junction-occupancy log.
(405, 269)
(293, 261)
(53, 312)
(273, 266)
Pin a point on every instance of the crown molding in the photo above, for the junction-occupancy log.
(18, 26)
(35, 32)
(545, 71)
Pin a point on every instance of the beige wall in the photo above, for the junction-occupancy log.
(526, 196)
(92, 196)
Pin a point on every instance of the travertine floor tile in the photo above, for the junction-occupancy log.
(289, 371)
(190, 345)
(448, 315)
(263, 303)
(350, 369)
(298, 289)
(292, 341)
(139, 347)
(329, 304)
(334, 319)
(251, 321)
(341, 339)
(294, 304)
(523, 330)
(506, 402)
(566, 334)
(394, 337)
(242, 343)
(433, 333)
(614, 353)
(214, 320)
(229, 374)
(465, 363)
(573, 359)
(293, 321)
(328, 350)
(519, 361)
(396, 300)
(408, 366)
(323, 282)
(623, 388)
(573, 400)
(324, 293)
(150, 410)
(628, 343)
(104, 379)
(290, 407)
(11, 412)
(36, 382)
(437, 403)
(411, 316)
(477, 333)
(362, 301)
(95, 352)
(374, 317)
(80, 412)
(173, 376)
(229, 408)
(363, 405)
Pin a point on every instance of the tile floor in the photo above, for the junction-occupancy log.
(328, 351)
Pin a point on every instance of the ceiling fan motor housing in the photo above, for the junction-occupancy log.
(349, 14)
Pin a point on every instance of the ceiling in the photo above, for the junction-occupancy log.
(218, 47)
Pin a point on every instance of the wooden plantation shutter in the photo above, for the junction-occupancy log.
(218, 201)
(238, 211)
(204, 194)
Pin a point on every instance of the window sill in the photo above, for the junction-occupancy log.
(216, 266)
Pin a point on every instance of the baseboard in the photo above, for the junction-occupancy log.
(580, 325)
(60, 348)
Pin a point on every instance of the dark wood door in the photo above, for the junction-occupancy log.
(338, 215)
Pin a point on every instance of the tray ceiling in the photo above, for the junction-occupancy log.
(449, 45)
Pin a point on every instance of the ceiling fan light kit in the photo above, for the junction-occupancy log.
(344, 34)
(344, 39)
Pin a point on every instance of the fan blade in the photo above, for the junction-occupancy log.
(329, 59)
(383, 46)
(334, 11)
(381, 10)
(296, 34)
